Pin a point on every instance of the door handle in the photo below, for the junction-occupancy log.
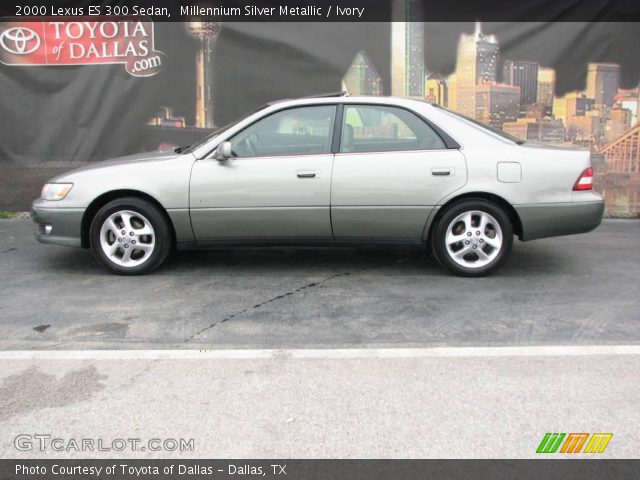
(438, 172)
(308, 173)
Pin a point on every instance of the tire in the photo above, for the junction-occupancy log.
(119, 251)
(463, 247)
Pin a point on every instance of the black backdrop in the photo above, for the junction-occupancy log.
(55, 117)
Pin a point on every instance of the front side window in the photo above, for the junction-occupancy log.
(295, 131)
(373, 128)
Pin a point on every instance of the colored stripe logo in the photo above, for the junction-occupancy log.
(573, 442)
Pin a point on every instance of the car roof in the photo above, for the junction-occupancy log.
(343, 97)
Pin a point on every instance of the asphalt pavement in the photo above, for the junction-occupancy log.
(320, 353)
(576, 290)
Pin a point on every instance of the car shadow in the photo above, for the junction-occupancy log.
(529, 259)
(302, 259)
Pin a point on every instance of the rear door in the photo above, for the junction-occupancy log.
(390, 171)
(275, 187)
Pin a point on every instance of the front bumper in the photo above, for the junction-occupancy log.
(556, 219)
(58, 226)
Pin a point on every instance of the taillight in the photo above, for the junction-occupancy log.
(585, 181)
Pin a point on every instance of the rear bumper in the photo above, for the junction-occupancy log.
(555, 219)
(58, 226)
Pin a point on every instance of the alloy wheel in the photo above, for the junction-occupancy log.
(127, 238)
(474, 239)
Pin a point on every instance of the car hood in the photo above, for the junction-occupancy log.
(129, 159)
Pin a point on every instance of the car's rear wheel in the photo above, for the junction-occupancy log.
(130, 236)
(472, 238)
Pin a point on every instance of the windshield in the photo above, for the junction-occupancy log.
(494, 130)
(219, 130)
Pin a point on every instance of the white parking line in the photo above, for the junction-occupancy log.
(523, 351)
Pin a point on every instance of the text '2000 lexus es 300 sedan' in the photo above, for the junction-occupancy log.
(334, 169)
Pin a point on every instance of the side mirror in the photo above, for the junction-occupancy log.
(223, 152)
(180, 149)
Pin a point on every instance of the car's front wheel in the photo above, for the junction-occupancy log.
(130, 236)
(472, 238)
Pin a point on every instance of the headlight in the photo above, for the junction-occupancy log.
(55, 191)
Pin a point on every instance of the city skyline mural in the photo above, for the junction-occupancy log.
(542, 82)
(517, 96)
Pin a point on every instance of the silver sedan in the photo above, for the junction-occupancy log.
(328, 170)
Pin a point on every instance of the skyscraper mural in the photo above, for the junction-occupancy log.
(436, 89)
(603, 81)
(362, 78)
(407, 49)
(546, 88)
(477, 63)
(523, 74)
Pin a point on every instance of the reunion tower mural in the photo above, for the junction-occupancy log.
(206, 33)
(167, 130)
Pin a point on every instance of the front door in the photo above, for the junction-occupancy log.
(277, 184)
(390, 172)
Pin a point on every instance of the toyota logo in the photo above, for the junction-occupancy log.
(19, 40)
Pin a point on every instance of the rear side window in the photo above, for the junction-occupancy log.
(372, 128)
(295, 131)
(483, 126)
